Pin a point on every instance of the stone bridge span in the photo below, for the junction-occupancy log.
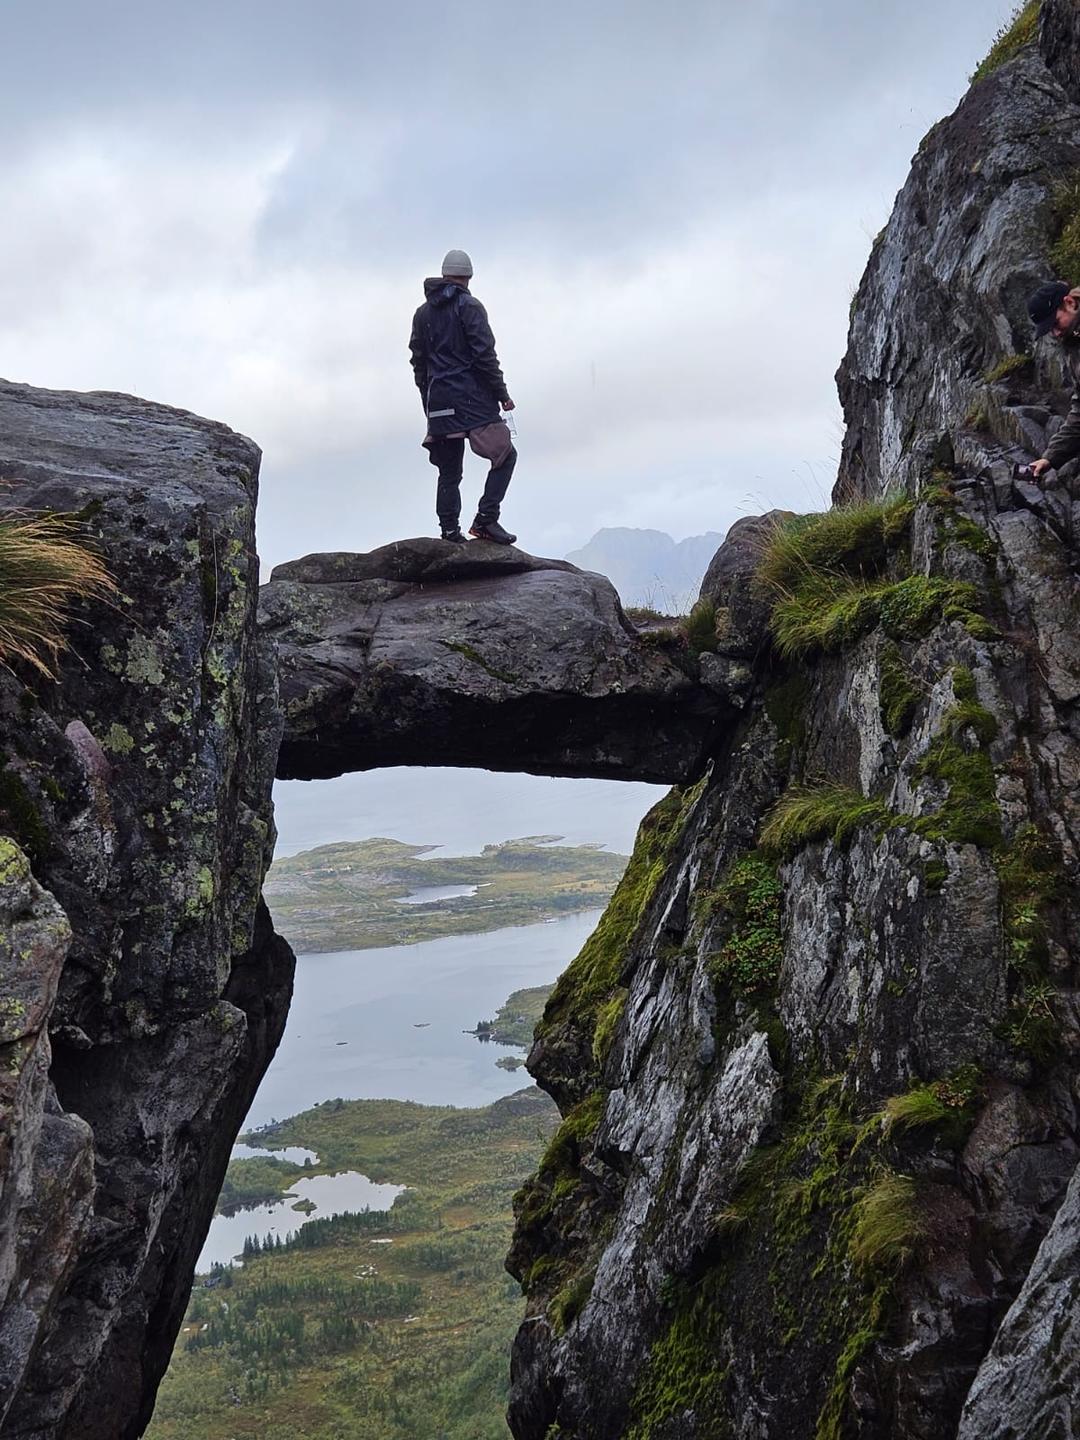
(426, 653)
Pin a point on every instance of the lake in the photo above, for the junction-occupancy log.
(389, 1024)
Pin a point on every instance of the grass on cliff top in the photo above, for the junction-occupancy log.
(852, 540)
(1020, 30)
(44, 569)
(826, 577)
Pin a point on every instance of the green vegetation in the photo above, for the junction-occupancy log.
(749, 896)
(1032, 882)
(607, 1018)
(959, 529)
(258, 1180)
(818, 812)
(1008, 366)
(947, 1106)
(1022, 29)
(853, 540)
(475, 658)
(786, 704)
(899, 693)
(646, 615)
(1032, 1023)
(886, 1223)
(516, 1020)
(830, 612)
(20, 813)
(838, 1222)
(969, 814)
(589, 981)
(44, 571)
(348, 896)
(699, 627)
(338, 1334)
(1065, 227)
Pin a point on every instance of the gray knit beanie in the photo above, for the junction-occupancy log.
(456, 263)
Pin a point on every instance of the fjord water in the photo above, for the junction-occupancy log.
(392, 1023)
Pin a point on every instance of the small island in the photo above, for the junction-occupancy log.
(362, 894)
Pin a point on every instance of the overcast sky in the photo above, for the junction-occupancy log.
(231, 208)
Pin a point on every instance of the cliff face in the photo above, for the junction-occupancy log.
(143, 988)
(819, 1064)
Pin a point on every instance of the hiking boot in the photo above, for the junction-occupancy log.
(454, 536)
(491, 530)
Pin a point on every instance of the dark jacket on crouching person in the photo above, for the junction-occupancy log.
(462, 387)
(1065, 445)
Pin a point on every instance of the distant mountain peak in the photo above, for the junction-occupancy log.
(648, 567)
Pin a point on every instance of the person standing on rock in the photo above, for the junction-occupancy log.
(1055, 310)
(462, 388)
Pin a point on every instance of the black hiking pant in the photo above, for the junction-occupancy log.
(448, 455)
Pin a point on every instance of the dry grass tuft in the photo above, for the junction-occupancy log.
(44, 569)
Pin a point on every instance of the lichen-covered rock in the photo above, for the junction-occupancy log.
(138, 786)
(426, 653)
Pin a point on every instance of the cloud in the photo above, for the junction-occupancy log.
(231, 209)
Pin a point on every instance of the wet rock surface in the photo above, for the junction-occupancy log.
(138, 788)
(425, 653)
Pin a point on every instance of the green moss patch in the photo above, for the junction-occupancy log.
(957, 758)
(836, 1222)
(1006, 367)
(831, 612)
(589, 981)
(20, 816)
(819, 812)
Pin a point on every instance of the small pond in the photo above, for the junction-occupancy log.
(330, 1194)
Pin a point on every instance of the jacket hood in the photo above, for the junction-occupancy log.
(440, 291)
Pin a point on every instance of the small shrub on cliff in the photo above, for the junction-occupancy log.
(1022, 29)
(43, 570)
(750, 894)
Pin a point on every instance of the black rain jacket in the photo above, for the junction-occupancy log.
(454, 360)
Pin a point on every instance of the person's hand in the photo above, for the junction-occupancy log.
(508, 404)
(1038, 467)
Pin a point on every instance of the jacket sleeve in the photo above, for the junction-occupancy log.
(1066, 443)
(481, 344)
(418, 354)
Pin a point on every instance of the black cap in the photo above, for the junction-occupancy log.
(1043, 305)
